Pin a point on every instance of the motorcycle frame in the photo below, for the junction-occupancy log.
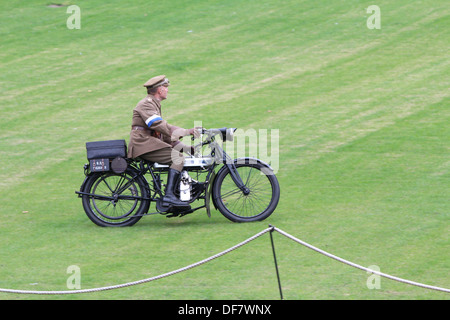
(142, 168)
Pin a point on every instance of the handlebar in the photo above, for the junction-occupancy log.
(227, 133)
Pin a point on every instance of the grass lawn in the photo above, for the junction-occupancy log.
(363, 118)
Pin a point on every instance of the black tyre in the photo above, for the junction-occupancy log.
(115, 200)
(258, 203)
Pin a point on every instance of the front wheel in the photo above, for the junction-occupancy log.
(115, 199)
(260, 200)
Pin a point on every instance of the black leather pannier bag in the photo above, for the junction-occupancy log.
(106, 149)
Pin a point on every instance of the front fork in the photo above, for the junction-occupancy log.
(235, 174)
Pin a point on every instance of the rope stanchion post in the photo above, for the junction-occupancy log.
(272, 228)
(332, 256)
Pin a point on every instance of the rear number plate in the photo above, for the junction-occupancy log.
(99, 165)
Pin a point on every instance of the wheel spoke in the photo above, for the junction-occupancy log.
(247, 205)
(124, 192)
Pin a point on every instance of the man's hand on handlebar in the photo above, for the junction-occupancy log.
(196, 132)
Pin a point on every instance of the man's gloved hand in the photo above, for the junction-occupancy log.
(195, 132)
(179, 133)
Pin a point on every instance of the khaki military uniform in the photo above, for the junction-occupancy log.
(152, 137)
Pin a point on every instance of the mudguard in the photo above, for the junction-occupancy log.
(208, 195)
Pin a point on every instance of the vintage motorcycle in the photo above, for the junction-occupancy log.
(115, 191)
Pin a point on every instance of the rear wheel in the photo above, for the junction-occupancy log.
(115, 199)
(257, 203)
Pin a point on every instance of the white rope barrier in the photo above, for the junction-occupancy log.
(271, 228)
(144, 280)
(357, 265)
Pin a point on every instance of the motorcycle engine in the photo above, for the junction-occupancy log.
(185, 186)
